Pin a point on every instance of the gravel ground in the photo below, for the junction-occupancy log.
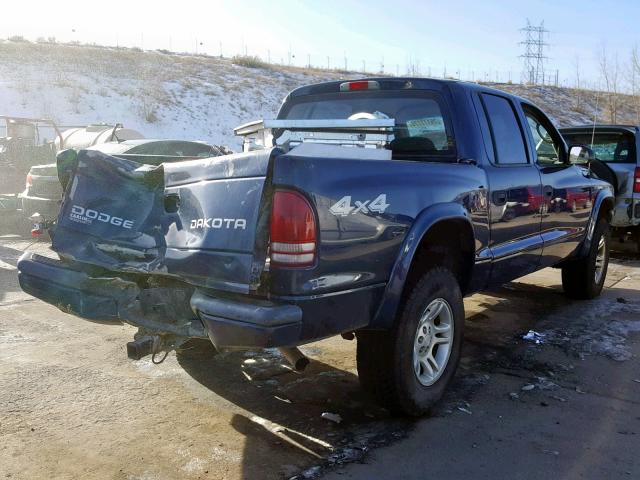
(73, 406)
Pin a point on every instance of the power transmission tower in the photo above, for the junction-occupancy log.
(533, 56)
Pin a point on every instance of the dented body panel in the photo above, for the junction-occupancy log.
(119, 215)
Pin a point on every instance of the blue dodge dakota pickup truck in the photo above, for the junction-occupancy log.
(367, 208)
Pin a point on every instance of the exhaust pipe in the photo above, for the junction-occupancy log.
(295, 357)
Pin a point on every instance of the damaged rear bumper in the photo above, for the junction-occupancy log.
(182, 310)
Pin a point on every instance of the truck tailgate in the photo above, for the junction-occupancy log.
(200, 220)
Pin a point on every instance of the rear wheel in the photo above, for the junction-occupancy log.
(583, 278)
(409, 368)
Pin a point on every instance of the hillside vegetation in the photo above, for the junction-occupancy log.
(167, 95)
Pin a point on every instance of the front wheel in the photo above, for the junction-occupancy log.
(409, 368)
(583, 278)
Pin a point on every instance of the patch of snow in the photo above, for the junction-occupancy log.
(600, 328)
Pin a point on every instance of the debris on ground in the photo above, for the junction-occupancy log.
(533, 336)
(545, 384)
(347, 455)
(560, 399)
(579, 390)
(310, 472)
(528, 387)
(465, 410)
(332, 417)
(514, 396)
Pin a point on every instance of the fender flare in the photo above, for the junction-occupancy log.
(426, 219)
(603, 195)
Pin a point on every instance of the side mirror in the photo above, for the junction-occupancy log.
(580, 155)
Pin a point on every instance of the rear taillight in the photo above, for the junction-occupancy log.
(636, 181)
(293, 231)
(29, 180)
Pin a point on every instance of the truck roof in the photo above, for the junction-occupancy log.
(599, 126)
(394, 83)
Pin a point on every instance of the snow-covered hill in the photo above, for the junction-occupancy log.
(161, 95)
(190, 97)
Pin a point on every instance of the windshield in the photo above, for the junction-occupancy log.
(610, 147)
(422, 127)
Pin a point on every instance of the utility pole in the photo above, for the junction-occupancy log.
(364, 67)
(328, 67)
(346, 68)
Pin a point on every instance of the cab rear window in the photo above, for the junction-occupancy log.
(609, 147)
(422, 122)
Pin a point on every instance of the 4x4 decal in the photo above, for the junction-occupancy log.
(343, 207)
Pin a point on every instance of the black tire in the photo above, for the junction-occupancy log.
(579, 275)
(509, 215)
(385, 359)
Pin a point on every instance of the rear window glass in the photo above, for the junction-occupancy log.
(508, 142)
(422, 126)
(610, 147)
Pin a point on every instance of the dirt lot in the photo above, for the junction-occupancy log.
(73, 406)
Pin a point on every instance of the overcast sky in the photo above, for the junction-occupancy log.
(479, 38)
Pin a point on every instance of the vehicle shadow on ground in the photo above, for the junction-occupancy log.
(284, 408)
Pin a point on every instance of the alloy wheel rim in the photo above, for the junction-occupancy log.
(600, 259)
(433, 342)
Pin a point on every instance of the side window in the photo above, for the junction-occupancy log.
(508, 142)
(547, 149)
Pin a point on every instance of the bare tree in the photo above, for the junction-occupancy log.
(578, 86)
(634, 76)
(609, 70)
